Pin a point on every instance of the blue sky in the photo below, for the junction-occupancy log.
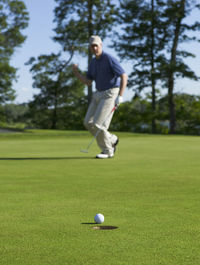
(39, 34)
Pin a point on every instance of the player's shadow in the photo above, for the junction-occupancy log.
(45, 158)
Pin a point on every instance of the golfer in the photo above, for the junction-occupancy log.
(110, 80)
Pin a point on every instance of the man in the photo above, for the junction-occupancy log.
(111, 81)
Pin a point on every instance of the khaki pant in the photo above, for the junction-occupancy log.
(99, 109)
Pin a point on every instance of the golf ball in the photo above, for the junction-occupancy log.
(99, 218)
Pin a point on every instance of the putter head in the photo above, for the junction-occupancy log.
(84, 151)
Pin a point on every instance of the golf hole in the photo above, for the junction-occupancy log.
(105, 227)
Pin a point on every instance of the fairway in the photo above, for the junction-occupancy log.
(50, 193)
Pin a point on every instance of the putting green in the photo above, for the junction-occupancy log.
(50, 193)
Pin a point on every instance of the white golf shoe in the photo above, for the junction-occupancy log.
(104, 156)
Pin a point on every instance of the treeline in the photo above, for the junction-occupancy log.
(148, 34)
(133, 116)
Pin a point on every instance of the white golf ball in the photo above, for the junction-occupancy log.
(99, 218)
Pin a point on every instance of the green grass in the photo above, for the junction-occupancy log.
(50, 192)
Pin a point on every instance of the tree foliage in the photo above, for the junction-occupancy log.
(177, 33)
(135, 116)
(77, 20)
(150, 36)
(13, 19)
(141, 40)
(59, 90)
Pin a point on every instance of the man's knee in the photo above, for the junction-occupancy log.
(91, 126)
(98, 127)
(88, 125)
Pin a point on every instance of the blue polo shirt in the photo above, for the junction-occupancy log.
(105, 71)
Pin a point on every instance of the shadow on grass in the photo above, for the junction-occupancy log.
(45, 158)
(88, 223)
(101, 227)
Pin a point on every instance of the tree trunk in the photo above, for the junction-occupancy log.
(54, 118)
(153, 122)
(172, 112)
(172, 69)
(90, 32)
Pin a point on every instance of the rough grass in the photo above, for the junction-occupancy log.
(50, 193)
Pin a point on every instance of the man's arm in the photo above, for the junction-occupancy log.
(122, 87)
(123, 84)
(81, 77)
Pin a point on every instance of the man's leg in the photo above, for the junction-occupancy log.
(102, 119)
(89, 117)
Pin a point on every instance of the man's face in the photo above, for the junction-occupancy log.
(96, 50)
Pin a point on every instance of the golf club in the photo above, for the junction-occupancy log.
(95, 136)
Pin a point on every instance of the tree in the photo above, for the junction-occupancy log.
(177, 32)
(77, 20)
(7, 75)
(150, 36)
(59, 89)
(15, 113)
(13, 19)
(187, 113)
(141, 40)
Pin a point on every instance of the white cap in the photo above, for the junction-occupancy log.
(94, 39)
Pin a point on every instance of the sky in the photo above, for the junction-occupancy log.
(39, 41)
